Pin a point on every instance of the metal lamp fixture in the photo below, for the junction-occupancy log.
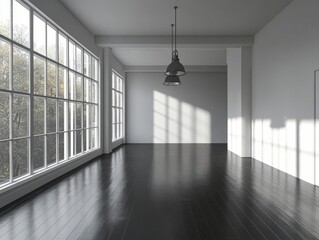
(172, 80)
(175, 68)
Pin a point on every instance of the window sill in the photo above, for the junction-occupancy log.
(117, 142)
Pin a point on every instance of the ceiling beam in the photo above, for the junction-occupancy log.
(161, 41)
(161, 69)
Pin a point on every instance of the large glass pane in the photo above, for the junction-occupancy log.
(51, 115)
(117, 99)
(94, 69)
(63, 116)
(93, 138)
(21, 71)
(87, 64)
(4, 116)
(51, 42)
(117, 115)
(71, 86)
(113, 131)
(78, 115)
(79, 88)
(78, 142)
(38, 75)
(20, 115)
(79, 56)
(51, 149)
(38, 115)
(117, 83)
(94, 92)
(121, 85)
(87, 90)
(38, 35)
(85, 140)
(88, 139)
(20, 152)
(72, 144)
(93, 115)
(86, 115)
(62, 49)
(38, 155)
(4, 162)
(4, 64)
(113, 80)
(21, 24)
(5, 12)
(117, 130)
(51, 79)
(71, 55)
(62, 146)
(62, 83)
(113, 98)
(121, 115)
(113, 115)
(121, 100)
(71, 116)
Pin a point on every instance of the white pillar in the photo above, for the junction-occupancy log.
(239, 64)
(317, 128)
(107, 101)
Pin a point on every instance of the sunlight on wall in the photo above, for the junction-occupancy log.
(173, 120)
(306, 151)
(234, 135)
(159, 118)
(202, 127)
(289, 148)
(179, 122)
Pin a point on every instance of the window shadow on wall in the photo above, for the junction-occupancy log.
(289, 144)
(176, 121)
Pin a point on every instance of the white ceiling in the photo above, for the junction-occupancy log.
(195, 17)
(161, 56)
(153, 17)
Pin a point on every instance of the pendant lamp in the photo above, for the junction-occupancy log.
(175, 68)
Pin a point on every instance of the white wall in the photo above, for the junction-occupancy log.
(194, 112)
(285, 56)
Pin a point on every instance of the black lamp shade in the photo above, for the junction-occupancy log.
(175, 68)
(172, 80)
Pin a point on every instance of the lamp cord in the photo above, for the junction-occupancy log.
(175, 29)
(172, 41)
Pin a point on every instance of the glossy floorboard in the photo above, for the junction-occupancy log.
(168, 192)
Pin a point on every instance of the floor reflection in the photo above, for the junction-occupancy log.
(168, 191)
(179, 166)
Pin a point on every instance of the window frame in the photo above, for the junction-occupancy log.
(118, 124)
(31, 172)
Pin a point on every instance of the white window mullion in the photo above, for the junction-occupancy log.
(11, 96)
(31, 101)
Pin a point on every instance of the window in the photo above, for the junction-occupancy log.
(117, 106)
(49, 97)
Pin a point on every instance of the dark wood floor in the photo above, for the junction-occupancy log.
(168, 192)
